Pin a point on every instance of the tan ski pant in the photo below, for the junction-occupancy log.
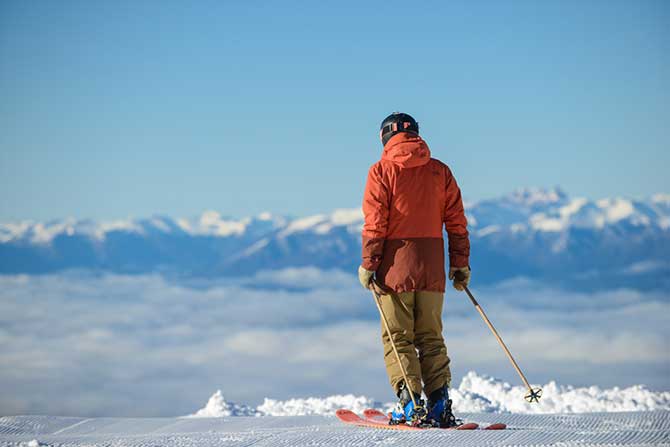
(415, 321)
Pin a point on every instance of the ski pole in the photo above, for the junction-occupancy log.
(395, 350)
(533, 394)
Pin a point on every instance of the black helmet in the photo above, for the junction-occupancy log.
(395, 123)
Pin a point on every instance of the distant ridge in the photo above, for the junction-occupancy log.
(532, 232)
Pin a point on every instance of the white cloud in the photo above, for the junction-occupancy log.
(142, 345)
(308, 277)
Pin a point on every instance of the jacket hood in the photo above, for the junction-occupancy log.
(407, 150)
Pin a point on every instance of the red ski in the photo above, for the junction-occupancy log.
(349, 417)
(378, 417)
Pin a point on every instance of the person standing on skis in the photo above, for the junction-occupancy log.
(409, 197)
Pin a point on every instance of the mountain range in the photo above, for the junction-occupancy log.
(533, 233)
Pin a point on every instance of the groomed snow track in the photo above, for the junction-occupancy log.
(590, 429)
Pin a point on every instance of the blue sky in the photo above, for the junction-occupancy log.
(130, 108)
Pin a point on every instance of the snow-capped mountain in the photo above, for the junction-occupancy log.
(532, 232)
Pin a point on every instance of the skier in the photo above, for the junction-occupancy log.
(408, 198)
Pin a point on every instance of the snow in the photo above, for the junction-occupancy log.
(616, 209)
(32, 443)
(578, 430)
(119, 225)
(661, 199)
(488, 230)
(323, 224)
(542, 222)
(159, 224)
(580, 213)
(255, 247)
(323, 228)
(534, 195)
(211, 223)
(481, 393)
(475, 394)
(573, 417)
(347, 216)
(560, 219)
(218, 407)
(11, 231)
(303, 224)
(315, 406)
(572, 207)
(544, 210)
(45, 233)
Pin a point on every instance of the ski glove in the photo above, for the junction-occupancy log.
(463, 278)
(365, 277)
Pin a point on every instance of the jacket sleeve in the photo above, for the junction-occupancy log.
(376, 202)
(456, 224)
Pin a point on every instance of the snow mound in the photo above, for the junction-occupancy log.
(315, 405)
(218, 407)
(33, 443)
(475, 394)
(479, 393)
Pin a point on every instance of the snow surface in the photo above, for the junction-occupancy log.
(577, 417)
(475, 394)
(583, 430)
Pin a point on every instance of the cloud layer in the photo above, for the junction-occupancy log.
(142, 345)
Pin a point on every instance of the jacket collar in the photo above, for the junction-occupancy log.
(406, 149)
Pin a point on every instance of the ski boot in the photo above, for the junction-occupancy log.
(439, 409)
(405, 412)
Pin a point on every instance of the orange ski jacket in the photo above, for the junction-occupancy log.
(408, 198)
